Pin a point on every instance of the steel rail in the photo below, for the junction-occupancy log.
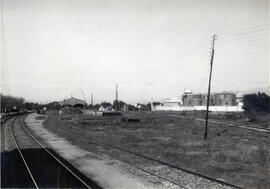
(17, 146)
(148, 172)
(34, 138)
(168, 164)
(111, 156)
(231, 124)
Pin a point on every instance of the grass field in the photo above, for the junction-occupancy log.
(237, 156)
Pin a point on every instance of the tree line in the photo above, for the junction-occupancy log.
(257, 102)
(120, 105)
(15, 104)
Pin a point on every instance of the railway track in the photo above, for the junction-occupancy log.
(6, 117)
(140, 158)
(211, 182)
(45, 168)
(231, 124)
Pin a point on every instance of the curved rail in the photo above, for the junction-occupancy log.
(6, 117)
(19, 150)
(44, 148)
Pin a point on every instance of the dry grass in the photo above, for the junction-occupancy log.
(237, 156)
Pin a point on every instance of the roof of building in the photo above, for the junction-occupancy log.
(172, 100)
(215, 93)
(72, 102)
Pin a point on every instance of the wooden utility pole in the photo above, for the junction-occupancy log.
(116, 97)
(92, 100)
(83, 96)
(209, 86)
(116, 92)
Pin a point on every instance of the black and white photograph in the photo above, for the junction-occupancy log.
(135, 94)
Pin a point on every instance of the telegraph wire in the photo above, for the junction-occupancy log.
(243, 33)
(258, 46)
(247, 32)
(242, 51)
(240, 39)
(235, 56)
(248, 49)
(246, 29)
(247, 43)
(264, 36)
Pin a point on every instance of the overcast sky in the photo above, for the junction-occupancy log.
(153, 49)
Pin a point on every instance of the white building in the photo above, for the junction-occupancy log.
(176, 101)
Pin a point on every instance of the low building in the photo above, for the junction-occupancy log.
(172, 102)
(73, 102)
(216, 99)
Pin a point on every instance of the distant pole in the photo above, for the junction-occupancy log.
(116, 97)
(116, 92)
(83, 96)
(92, 100)
(209, 86)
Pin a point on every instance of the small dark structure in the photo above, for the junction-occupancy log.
(124, 119)
(133, 120)
(111, 114)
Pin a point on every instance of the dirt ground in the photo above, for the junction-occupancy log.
(237, 156)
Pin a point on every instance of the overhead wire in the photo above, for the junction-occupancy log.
(267, 25)
(244, 44)
(258, 46)
(243, 32)
(241, 39)
(246, 41)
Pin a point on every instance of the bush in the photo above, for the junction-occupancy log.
(10, 103)
(256, 102)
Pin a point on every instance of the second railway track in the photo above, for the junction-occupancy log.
(176, 175)
(61, 175)
(231, 124)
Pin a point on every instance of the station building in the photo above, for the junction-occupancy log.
(172, 102)
(73, 102)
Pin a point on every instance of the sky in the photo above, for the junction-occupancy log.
(153, 49)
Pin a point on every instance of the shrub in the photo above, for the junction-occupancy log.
(256, 102)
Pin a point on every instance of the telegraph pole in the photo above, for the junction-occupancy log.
(209, 85)
(116, 97)
(83, 96)
(92, 100)
(116, 92)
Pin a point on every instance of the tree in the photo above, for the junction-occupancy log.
(32, 106)
(256, 102)
(144, 107)
(118, 105)
(157, 103)
(96, 106)
(149, 107)
(131, 107)
(53, 106)
(105, 104)
(10, 103)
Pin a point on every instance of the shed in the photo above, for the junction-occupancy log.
(74, 102)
